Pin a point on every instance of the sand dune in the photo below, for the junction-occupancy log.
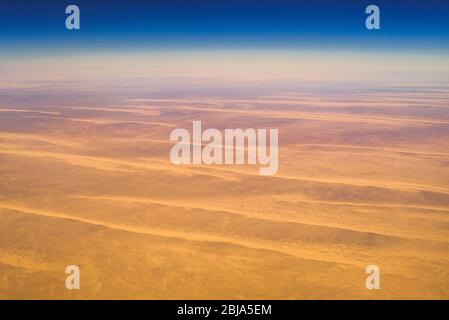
(362, 180)
(334, 117)
(30, 111)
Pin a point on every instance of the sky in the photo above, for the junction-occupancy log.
(232, 40)
(405, 25)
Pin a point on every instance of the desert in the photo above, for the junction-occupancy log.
(86, 179)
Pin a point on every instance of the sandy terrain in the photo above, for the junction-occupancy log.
(363, 179)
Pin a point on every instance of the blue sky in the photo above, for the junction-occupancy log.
(407, 25)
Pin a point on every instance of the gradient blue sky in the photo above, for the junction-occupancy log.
(406, 25)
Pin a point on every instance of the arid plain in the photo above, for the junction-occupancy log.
(86, 179)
